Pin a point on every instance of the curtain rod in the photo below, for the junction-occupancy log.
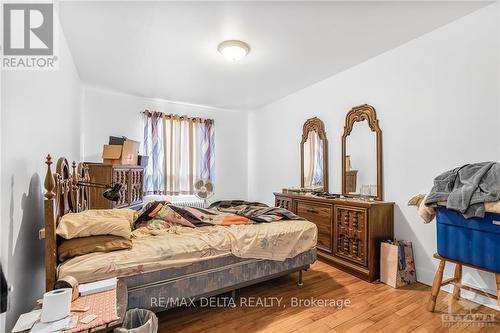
(170, 116)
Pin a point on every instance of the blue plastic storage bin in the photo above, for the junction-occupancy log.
(473, 241)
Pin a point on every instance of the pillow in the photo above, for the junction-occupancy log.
(83, 245)
(96, 222)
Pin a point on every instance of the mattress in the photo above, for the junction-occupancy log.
(181, 246)
(206, 278)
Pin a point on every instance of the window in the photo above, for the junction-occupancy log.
(181, 151)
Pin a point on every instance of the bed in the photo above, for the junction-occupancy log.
(195, 267)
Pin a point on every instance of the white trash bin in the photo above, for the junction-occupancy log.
(139, 321)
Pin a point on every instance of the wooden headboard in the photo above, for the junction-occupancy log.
(62, 195)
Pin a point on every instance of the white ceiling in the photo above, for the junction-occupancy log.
(169, 50)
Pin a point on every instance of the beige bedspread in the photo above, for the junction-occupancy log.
(179, 246)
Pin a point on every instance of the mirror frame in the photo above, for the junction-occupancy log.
(314, 124)
(362, 113)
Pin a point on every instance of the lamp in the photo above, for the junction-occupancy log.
(112, 192)
(233, 50)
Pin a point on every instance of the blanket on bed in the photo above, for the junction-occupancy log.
(235, 212)
(255, 211)
(159, 216)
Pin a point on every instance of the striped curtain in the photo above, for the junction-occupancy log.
(208, 151)
(153, 147)
(186, 148)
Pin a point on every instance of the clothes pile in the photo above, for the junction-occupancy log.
(472, 190)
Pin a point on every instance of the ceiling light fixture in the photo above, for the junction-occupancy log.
(233, 50)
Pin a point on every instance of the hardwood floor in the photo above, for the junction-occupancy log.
(374, 307)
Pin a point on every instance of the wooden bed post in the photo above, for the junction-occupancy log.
(50, 228)
(62, 195)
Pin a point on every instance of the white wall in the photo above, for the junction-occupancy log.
(40, 115)
(108, 113)
(437, 103)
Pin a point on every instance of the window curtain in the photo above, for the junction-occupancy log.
(185, 152)
(153, 148)
(208, 151)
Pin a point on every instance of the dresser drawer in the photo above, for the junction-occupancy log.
(321, 215)
(350, 238)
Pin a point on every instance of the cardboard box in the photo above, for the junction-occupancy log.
(130, 150)
(125, 154)
(111, 154)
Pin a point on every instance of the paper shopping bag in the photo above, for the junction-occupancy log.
(397, 267)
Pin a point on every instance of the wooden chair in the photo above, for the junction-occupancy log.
(456, 281)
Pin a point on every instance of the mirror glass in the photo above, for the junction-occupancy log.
(361, 161)
(313, 162)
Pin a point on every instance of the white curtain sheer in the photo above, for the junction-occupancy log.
(181, 151)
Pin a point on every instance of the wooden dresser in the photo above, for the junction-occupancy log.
(132, 178)
(349, 230)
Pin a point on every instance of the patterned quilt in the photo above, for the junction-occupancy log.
(161, 216)
(233, 212)
(254, 211)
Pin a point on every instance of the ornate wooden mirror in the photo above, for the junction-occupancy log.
(314, 156)
(362, 154)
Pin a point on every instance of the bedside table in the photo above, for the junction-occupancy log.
(121, 308)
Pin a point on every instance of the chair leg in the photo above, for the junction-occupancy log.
(458, 281)
(436, 285)
(497, 276)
